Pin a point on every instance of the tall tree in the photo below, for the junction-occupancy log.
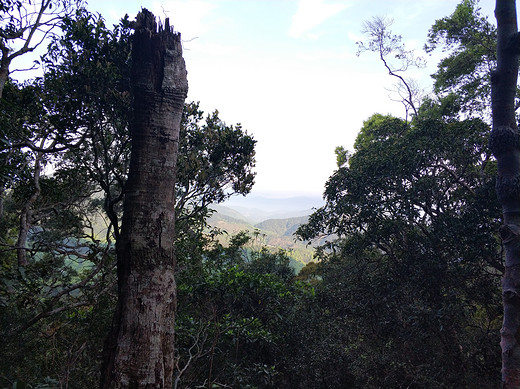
(24, 25)
(82, 106)
(67, 265)
(505, 144)
(396, 284)
(140, 348)
(462, 76)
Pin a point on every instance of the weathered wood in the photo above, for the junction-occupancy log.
(139, 352)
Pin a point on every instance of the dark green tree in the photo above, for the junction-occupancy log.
(411, 271)
(480, 76)
(79, 111)
(469, 38)
(216, 162)
(236, 318)
(66, 264)
(216, 159)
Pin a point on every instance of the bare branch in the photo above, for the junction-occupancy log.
(28, 29)
(394, 56)
(50, 311)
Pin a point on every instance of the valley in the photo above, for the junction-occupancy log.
(271, 221)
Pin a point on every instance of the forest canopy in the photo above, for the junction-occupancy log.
(405, 287)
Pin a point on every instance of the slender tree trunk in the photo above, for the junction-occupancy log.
(505, 144)
(4, 66)
(4, 75)
(139, 352)
(27, 213)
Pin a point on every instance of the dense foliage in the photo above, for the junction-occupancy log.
(464, 74)
(65, 152)
(414, 263)
(405, 292)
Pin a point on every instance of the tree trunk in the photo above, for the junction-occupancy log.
(4, 75)
(505, 144)
(139, 351)
(27, 213)
(5, 61)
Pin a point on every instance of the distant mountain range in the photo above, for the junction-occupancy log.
(257, 208)
(273, 220)
(233, 221)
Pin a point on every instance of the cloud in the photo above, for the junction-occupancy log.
(312, 13)
(190, 17)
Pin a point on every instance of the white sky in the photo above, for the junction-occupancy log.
(288, 71)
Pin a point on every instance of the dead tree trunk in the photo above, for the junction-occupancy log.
(505, 144)
(139, 352)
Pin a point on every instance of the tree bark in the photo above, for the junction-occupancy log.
(139, 351)
(27, 213)
(505, 144)
(4, 75)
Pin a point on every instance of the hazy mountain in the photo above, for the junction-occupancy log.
(273, 233)
(284, 227)
(230, 212)
(229, 220)
(258, 208)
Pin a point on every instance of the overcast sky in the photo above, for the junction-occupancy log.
(288, 71)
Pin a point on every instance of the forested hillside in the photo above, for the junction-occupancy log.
(121, 268)
(273, 234)
(284, 227)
